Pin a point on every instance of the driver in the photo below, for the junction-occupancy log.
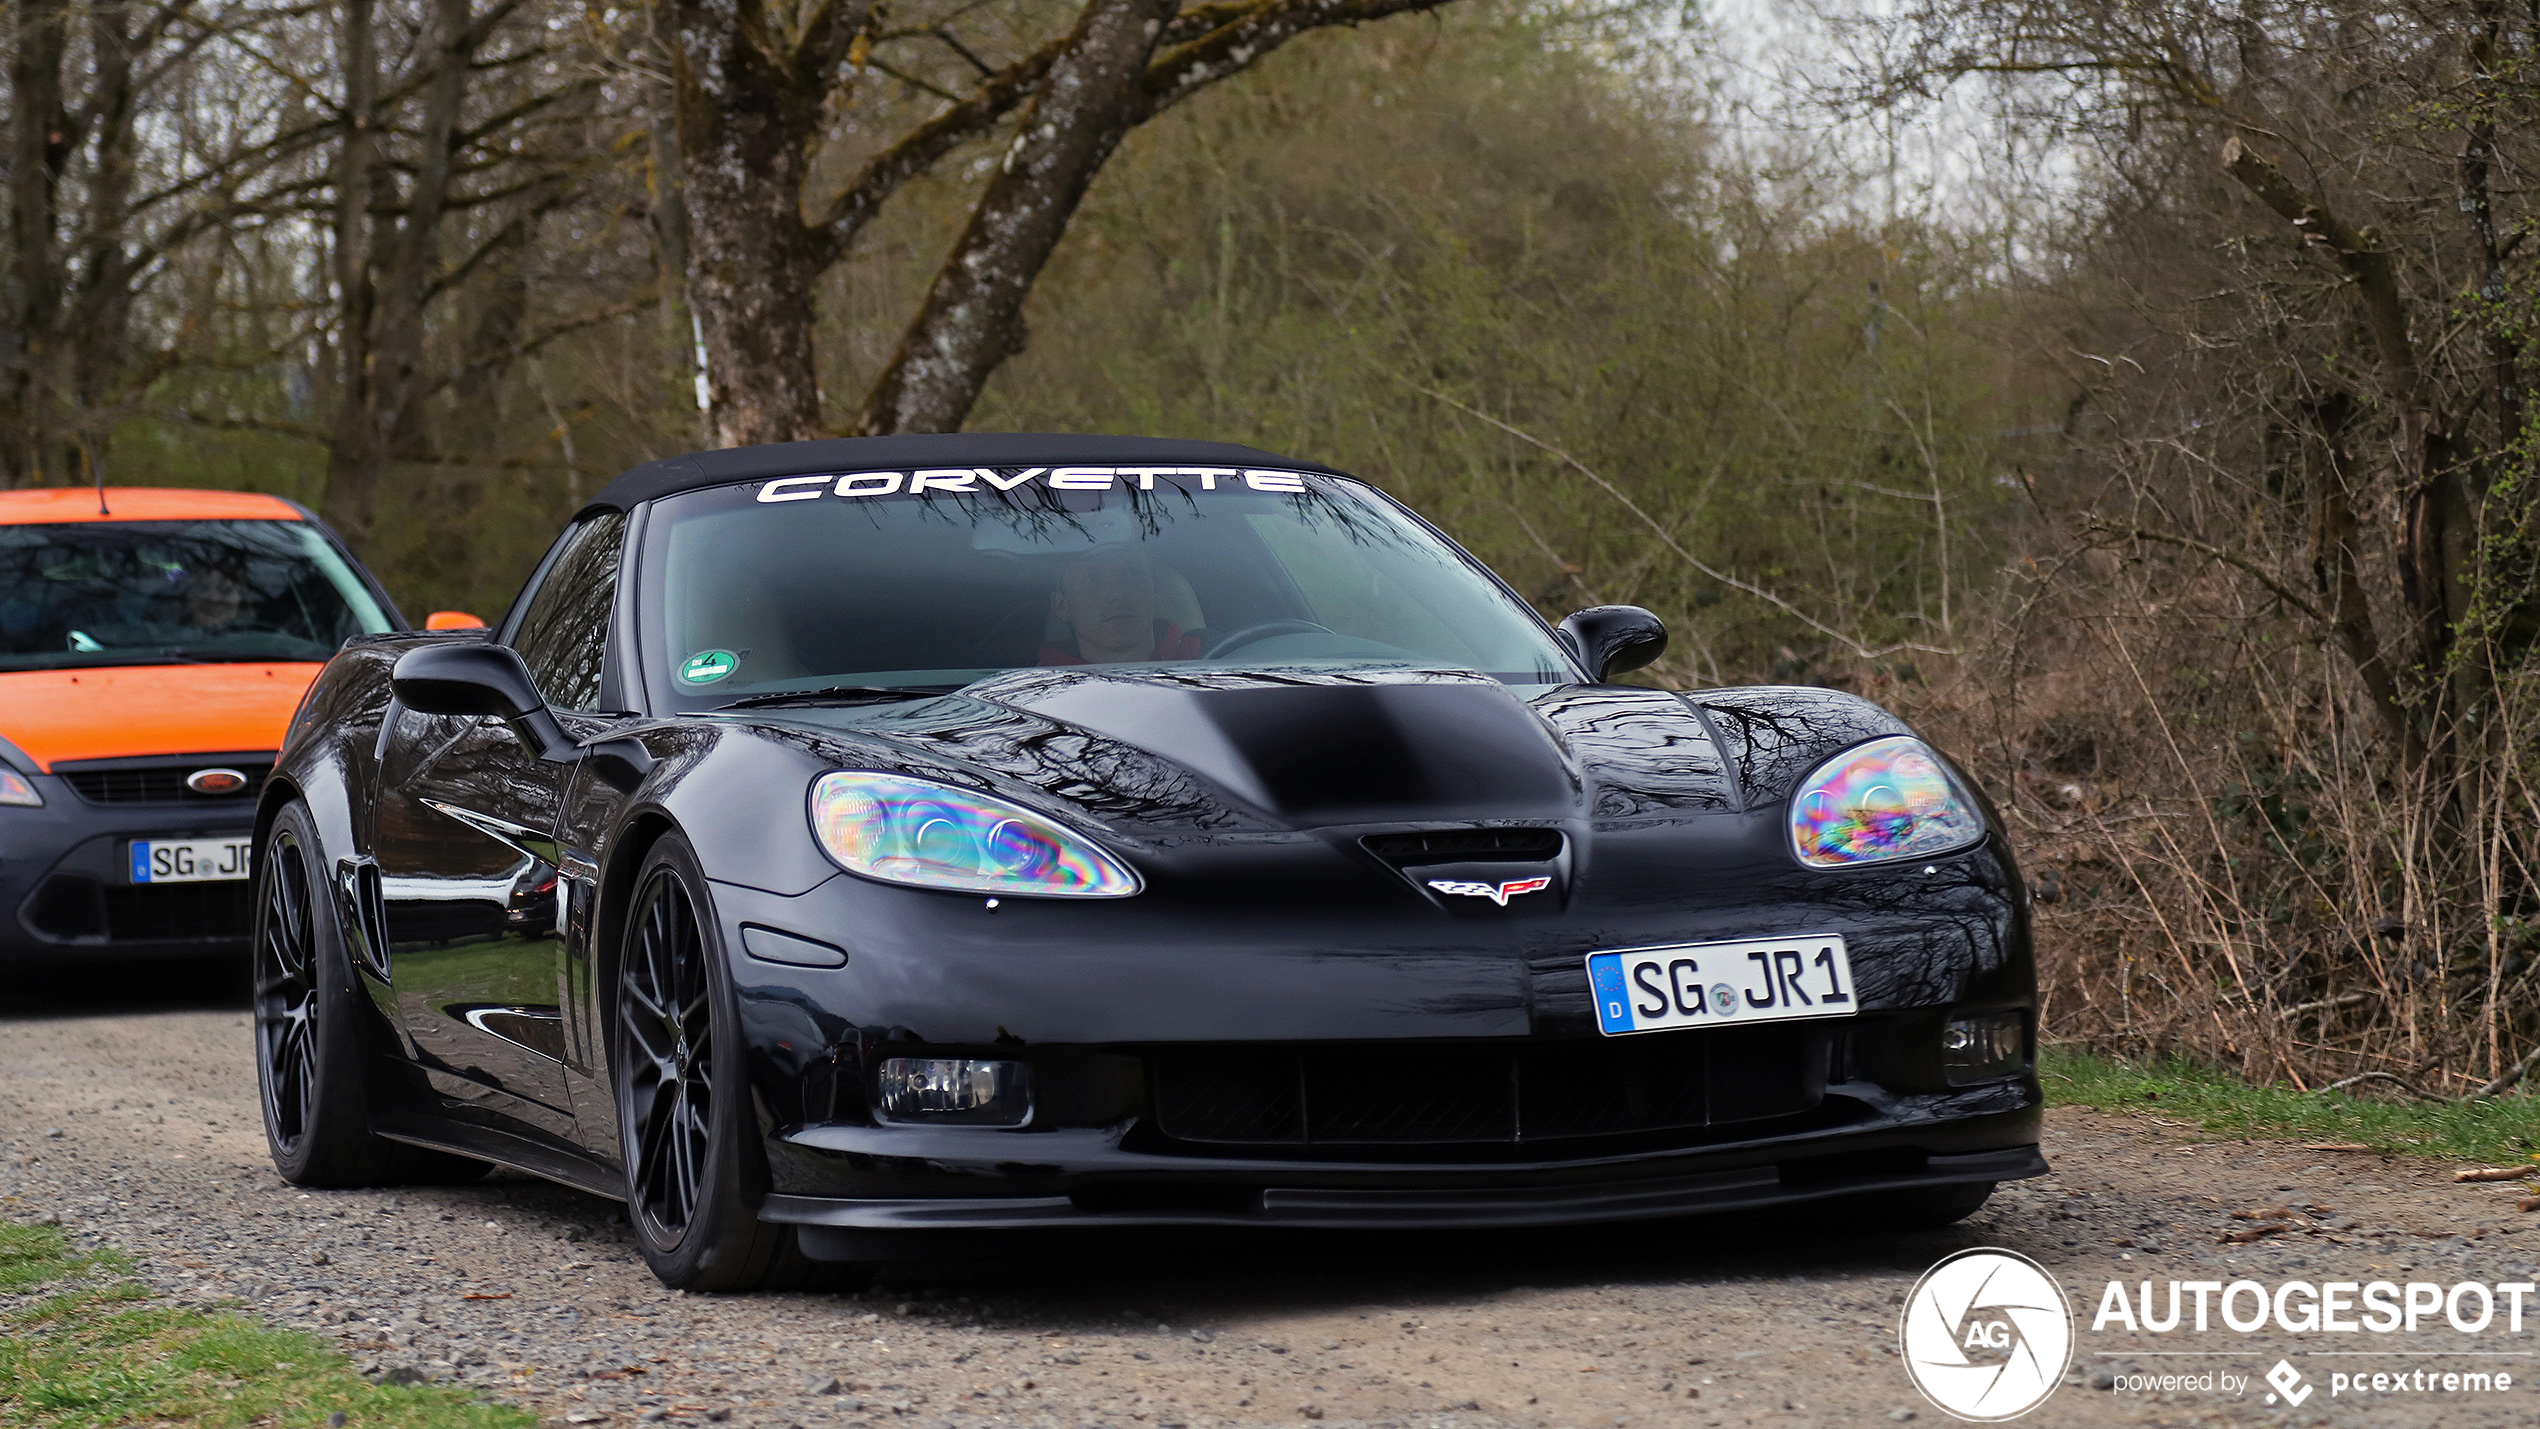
(212, 601)
(1107, 602)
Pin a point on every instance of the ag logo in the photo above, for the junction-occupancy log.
(1987, 1334)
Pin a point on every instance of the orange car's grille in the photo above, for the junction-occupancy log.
(122, 783)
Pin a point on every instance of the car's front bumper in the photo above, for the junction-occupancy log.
(1338, 1064)
(66, 890)
(1086, 1178)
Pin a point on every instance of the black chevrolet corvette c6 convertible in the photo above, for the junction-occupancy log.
(846, 843)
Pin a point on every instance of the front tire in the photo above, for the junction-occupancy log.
(311, 1071)
(695, 1171)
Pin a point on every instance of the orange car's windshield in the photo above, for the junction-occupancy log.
(175, 592)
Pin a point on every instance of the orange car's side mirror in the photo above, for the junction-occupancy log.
(452, 620)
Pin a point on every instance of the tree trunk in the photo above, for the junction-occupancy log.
(2486, 254)
(2429, 541)
(381, 416)
(972, 317)
(2327, 472)
(747, 118)
(347, 503)
(669, 215)
(101, 306)
(39, 148)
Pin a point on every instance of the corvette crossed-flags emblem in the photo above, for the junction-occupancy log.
(1498, 893)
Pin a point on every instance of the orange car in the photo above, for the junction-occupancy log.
(153, 645)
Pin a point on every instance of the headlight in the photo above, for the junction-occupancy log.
(1889, 798)
(16, 789)
(911, 831)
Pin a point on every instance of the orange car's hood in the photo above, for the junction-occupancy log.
(120, 711)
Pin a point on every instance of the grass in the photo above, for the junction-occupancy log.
(100, 1349)
(2501, 1131)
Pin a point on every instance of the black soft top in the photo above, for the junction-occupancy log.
(844, 454)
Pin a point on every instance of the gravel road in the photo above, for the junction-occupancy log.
(139, 1128)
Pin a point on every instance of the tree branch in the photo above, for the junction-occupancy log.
(540, 339)
(921, 148)
(2233, 559)
(1245, 33)
(1859, 650)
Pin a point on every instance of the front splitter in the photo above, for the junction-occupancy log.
(1381, 1208)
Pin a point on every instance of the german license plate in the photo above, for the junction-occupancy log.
(191, 860)
(1720, 984)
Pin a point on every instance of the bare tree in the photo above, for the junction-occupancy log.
(446, 161)
(759, 84)
(2294, 298)
(97, 209)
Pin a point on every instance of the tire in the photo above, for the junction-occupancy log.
(312, 1067)
(695, 1170)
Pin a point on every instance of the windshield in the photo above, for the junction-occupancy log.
(811, 582)
(175, 592)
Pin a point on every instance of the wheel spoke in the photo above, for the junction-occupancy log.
(651, 1151)
(292, 1070)
(649, 1033)
(641, 995)
(686, 1152)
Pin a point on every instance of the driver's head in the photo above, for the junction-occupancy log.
(1108, 599)
(212, 600)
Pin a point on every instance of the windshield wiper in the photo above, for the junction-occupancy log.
(840, 695)
(198, 655)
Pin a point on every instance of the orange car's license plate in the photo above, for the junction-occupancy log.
(191, 860)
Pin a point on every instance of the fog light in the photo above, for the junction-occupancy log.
(1981, 1049)
(961, 1091)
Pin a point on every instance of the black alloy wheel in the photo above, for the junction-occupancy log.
(286, 991)
(311, 1064)
(666, 1017)
(695, 1171)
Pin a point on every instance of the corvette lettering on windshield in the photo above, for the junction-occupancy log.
(979, 479)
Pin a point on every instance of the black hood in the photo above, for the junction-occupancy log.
(1165, 751)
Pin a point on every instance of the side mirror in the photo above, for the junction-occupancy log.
(1610, 639)
(452, 620)
(475, 679)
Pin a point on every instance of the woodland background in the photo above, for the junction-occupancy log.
(2128, 391)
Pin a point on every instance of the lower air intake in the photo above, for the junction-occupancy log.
(1446, 1094)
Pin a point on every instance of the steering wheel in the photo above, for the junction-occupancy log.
(1251, 634)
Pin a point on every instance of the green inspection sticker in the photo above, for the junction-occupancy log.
(707, 666)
